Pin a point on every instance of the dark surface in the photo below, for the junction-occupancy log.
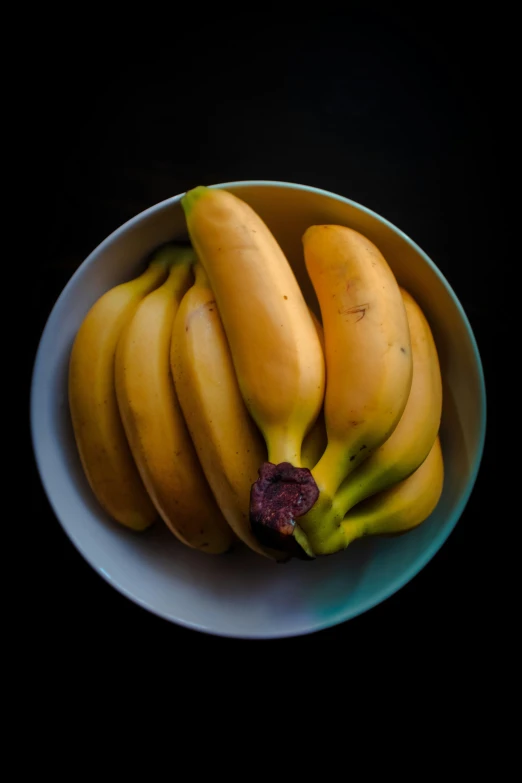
(387, 111)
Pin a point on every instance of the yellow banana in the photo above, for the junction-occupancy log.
(274, 345)
(228, 443)
(403, 506)
(369, 374)
(410, 442)
(99, 433)
(156, 431)
(368, 360)
(367, 346)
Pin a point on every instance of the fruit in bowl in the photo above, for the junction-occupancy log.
(198, 395)
(245, 351)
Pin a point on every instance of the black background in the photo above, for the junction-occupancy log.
(397, 113)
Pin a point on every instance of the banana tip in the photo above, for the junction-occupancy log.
(191, 197)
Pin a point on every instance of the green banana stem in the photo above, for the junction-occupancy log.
(172, 254)
(349, 494)
(302, 539)
(333, 468)
(283, 447)
(191, 197)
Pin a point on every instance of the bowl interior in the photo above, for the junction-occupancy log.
(241, 594)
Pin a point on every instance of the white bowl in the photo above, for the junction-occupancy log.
(242, 594)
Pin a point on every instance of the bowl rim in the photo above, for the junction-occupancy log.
(408, 574)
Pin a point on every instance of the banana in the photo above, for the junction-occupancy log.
(98, 430)
(402, 507)
(229, 445)
(153, 421)
(369, 375)
(410, 442)
(274, 345)
(368, 360)
(367, 346)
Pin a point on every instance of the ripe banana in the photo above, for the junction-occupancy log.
(101, 441)
(403, 506)
(153, 421)
(274, 345)
(368, 359)
(228, 443)
(367, 346)
(369, 373)
(410, 442)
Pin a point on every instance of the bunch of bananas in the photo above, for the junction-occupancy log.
(207, 393)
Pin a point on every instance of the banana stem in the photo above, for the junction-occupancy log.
(283, 447)
(200, 275)
(352, 528)
(172, 254)
(350, 532)
(332, 468)
(192, 197)
(346, 497)
(302, 539)
(325, 529)
(154, 275)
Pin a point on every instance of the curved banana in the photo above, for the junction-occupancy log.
(99, 433)
(410, 442)
(402, 507)
(153, 421)
(368, 360)
(367, 346)
(228, 443)
(274, 345)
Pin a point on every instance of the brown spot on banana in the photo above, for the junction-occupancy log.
(358, 310)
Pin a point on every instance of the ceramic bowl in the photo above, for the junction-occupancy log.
(242, 594)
